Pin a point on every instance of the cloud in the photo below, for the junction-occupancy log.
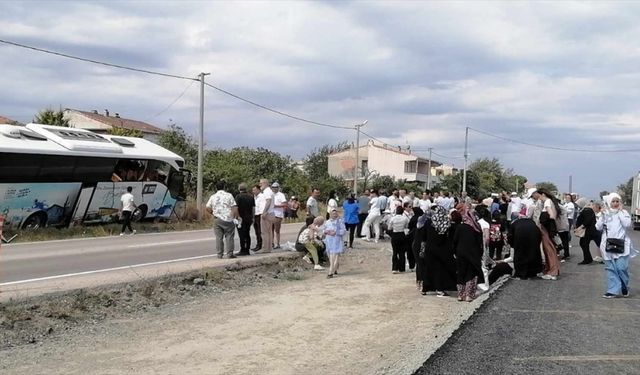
(560, 74)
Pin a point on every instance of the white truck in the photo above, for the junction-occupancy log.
(634, 210)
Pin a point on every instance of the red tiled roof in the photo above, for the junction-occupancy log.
(6, 120)
(121, 122)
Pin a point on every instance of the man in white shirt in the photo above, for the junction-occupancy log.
(279, 204)
(373, 219)
(267, 217)
(425, 202)
(225, 217)
(312, 203)
(259, 200)
(404, 198)
(515, 206)
(128, 206)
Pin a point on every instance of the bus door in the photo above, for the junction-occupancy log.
(83, 204)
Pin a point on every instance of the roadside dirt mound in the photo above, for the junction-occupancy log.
(36, 319)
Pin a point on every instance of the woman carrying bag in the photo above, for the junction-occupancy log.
(615, 246)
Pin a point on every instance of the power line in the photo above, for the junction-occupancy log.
(171, 76)
(551, 147)
(374, 138)
(172, 103)
(94, 61)
(279, 112)
(447, 157)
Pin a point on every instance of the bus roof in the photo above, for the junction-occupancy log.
(56, 140)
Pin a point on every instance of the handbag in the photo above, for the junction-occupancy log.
(615, 245)
(580, 231)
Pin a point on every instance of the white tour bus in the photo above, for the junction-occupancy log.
(57, 176)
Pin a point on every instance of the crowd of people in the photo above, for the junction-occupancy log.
(452, 243)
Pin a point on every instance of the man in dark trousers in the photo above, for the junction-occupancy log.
(246, 204)
(259, 206)
(363, 211)
(128, 207)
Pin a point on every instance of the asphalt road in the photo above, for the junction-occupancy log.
(37, 260)
(549, 327)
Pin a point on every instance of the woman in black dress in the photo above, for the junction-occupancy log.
(587, 219)
(467, 244)
(439, 261)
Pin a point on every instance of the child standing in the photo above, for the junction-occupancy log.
(334, 229)
(496, 236)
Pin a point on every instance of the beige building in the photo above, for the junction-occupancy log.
(6, 120)
(102, 123)
(384, 160)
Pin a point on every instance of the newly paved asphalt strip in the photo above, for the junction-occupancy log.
(549, 327)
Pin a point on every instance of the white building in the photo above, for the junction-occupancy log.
(386, 160)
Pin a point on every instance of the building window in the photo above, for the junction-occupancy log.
(410, 166)
(364, 167)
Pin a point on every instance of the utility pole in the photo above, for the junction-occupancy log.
(355, 172)
(429, 171)
(466, 156)
(570, 184)
(200, 146)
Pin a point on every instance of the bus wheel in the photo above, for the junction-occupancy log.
(139, 213)
(35, 221)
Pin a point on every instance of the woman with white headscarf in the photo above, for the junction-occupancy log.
(615, 246)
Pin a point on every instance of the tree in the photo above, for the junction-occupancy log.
(512, 182)
(178, 141)
(490, 176)
(626, 192)
(316, 163)
(546, 185)
(124, 132)
(453, 183)
(367, 177)
(383, 182)
(51, 117)
(316, 167)
(603, 193)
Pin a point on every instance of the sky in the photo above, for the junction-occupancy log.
(558, 74)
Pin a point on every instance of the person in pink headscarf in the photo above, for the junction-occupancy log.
(467, 244)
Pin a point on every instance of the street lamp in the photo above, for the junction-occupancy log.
(355, 177)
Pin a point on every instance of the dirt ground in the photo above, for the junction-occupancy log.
(365, 321)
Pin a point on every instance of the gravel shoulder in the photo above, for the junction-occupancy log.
(365, 321)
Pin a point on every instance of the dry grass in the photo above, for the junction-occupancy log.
(46, 234)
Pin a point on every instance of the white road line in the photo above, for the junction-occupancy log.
(102, 237)
(169, 243)
(105, 270)
(177, 232)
